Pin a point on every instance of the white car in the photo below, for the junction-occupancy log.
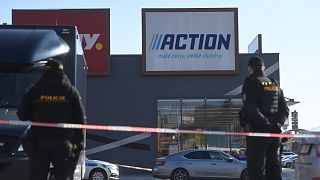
(308, 162)
(101, 170)
(288, 153)
(289, 161)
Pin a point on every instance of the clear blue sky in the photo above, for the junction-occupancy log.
(291, 28)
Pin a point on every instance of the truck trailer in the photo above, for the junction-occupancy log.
(24, 50)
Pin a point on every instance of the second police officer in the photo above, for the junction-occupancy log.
(266, 111)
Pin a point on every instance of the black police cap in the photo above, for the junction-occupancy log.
(256, 61)
(53, 64)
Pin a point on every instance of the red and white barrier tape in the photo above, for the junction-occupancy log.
(134, 167)
(153, 130)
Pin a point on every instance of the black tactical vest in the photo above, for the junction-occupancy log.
(268, 96)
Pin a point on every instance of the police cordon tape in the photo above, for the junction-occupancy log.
(134, 167)
(152, 130)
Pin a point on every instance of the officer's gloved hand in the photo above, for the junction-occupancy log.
(265, 124)
(247, 127)
(77, 147)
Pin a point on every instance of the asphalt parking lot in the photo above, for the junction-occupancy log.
(287, 174)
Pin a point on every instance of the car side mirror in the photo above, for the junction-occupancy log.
(230, 159)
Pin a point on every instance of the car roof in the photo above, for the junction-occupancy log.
(310, 139)
(312, 132)
(193, 150)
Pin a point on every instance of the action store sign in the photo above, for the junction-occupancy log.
(190, 41)
(93, 26)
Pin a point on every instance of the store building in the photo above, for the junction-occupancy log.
(128, 98)
(189, 76)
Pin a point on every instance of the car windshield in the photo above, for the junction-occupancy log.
(15, 85)
(305, 149)
(225, 155)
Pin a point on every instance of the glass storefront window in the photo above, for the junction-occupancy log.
(169, 113)
(193, 113)
(205, 114)
(219, 120)
(169, 116)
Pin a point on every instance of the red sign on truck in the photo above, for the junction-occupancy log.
(93, 26)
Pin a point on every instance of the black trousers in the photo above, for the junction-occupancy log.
(57, 153)
(263, 160)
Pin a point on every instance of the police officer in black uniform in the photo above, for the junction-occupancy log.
(266, 111)
(53, 99)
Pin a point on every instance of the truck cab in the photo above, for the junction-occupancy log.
(24, 50)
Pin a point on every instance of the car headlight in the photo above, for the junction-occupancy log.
(112, 168)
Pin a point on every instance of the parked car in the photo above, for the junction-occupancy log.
(289, 161)
(101, 170)
(288, 153)
(308, 162)
(195, 164)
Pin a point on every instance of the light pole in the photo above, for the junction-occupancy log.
(227, 104)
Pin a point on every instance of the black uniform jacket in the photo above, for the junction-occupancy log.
(53, 99)
(264, 103)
